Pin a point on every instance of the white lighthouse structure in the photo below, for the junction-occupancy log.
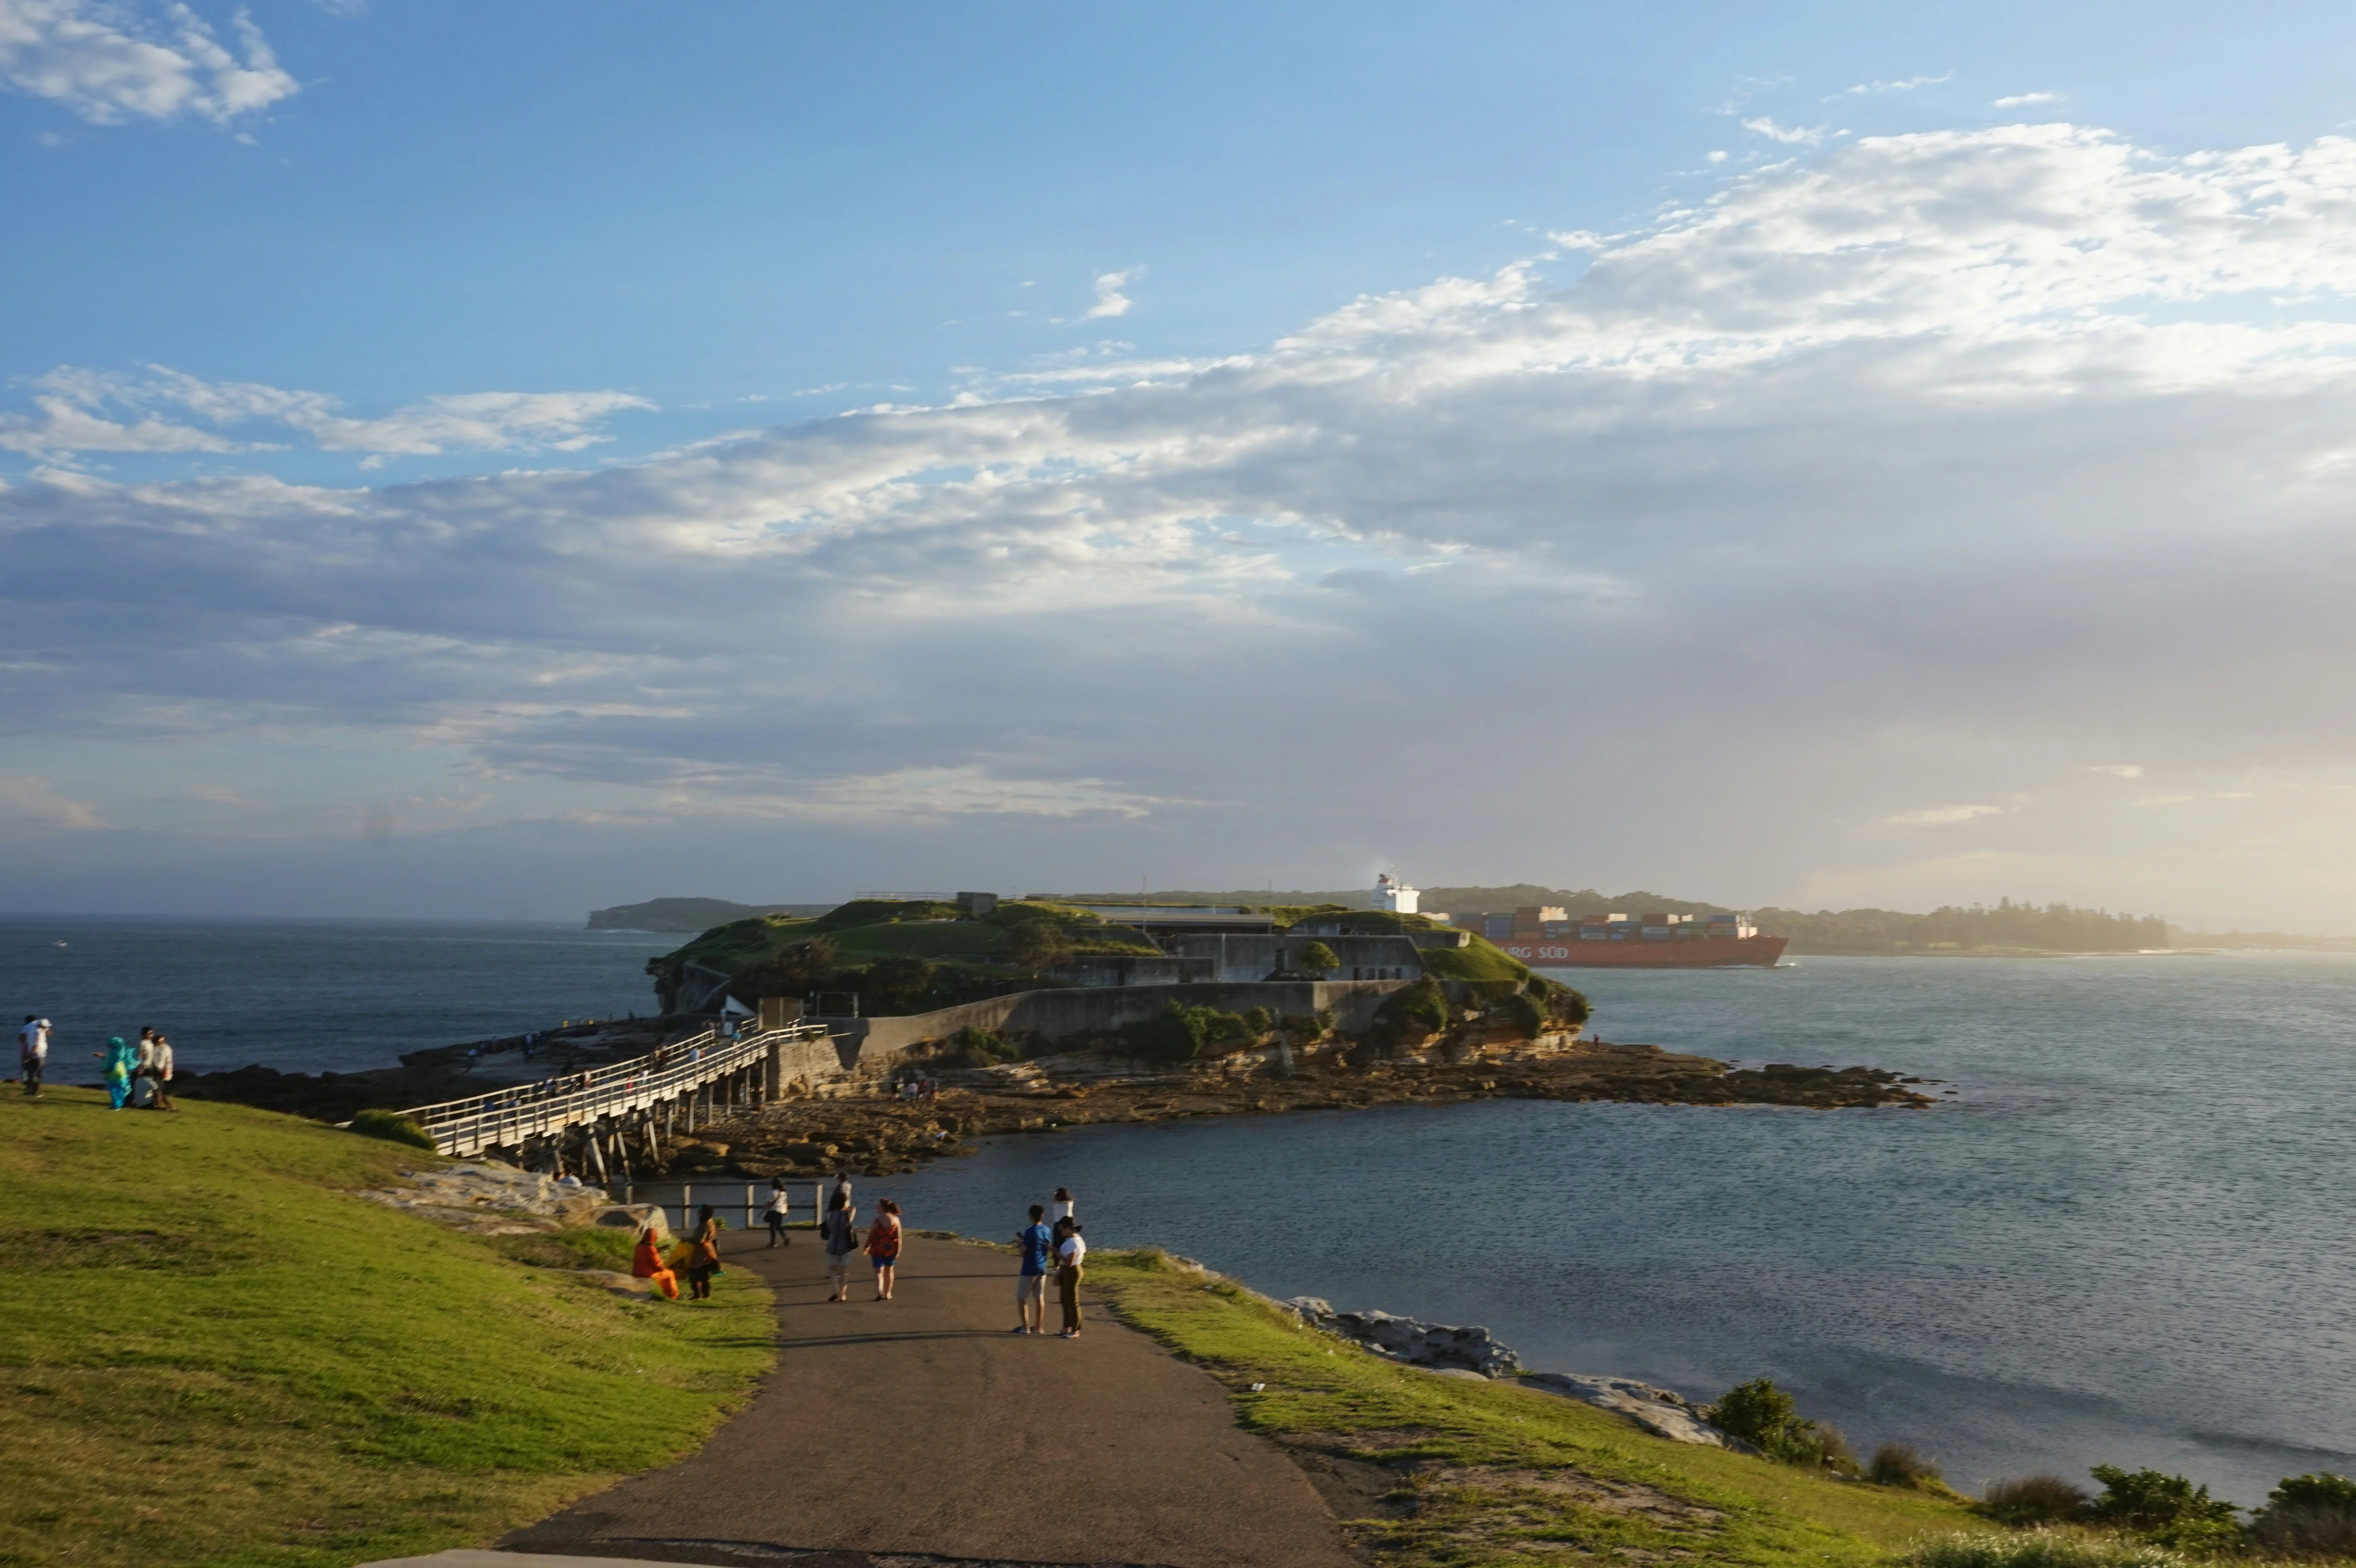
(1394, 895)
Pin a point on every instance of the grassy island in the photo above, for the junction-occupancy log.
(219, 1354)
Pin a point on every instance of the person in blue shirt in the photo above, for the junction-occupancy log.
(1037, 1245)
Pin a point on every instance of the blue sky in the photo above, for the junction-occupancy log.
(429, 487)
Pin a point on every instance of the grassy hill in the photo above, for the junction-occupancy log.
(1482, 1472)
(219, 1355)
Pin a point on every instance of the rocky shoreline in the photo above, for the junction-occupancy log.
(881, 1135)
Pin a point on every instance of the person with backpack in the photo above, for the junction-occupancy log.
(841, 1229)
(1036, 1246)
(703, 1253)
(883, 1246)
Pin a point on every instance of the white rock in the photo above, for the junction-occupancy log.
(1658, 1410)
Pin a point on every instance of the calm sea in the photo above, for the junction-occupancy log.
(2131, 1238)
(312, 995)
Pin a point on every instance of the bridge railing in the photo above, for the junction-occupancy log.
(510, 1116)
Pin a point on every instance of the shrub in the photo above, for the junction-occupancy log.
(393, 1127)
(1563, 1005)
(1526, 1015)
(1260, 1020)
(1902, 1465)
(1316, 959)
(1420, 1010)
(1182, 1033)
(2167, 1509)
(2312, 1515)
(1037, 945)
(2034, 1499)
(971, 1047)
(1301, 1026)
(2038, 1549)
(1760, 1413)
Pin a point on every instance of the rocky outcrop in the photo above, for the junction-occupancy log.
(1468, 1351)
(1659, 1411)
(488, 1199)
(1416, 1343)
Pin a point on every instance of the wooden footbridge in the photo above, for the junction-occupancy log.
(589, 1121)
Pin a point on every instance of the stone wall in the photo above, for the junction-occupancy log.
(870, 1044)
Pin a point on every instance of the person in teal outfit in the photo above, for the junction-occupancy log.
(119, 1059)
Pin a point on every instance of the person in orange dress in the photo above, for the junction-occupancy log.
(646, 1262)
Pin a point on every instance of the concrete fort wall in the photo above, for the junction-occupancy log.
(865, 1044)
(1188, 959)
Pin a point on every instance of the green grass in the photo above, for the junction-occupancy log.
(1501, 1474)
(1478, 960)
(217, 1354)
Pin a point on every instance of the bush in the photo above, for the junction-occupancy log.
(2312, 1515)
(1761, 1413)
(1301, 1026)
(393, 1127)
(971, 1047)
(2034, 1499)
(2166, 1509)
(1527, 1018)
(1563, 1005)
(1260, 1020)
(1420, 1009)
(1316, 959)
(1182, 1033)
(2038, 1549)
(1902, 1465)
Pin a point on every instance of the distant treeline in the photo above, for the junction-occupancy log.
(2049, 928)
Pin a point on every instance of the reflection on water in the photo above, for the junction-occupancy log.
(2128, 1241)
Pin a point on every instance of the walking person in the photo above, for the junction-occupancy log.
(1059, 1207)
(115, 1063)
(779, 1206)
(33, 1052)
(142, 1068)
(841, 1231)
(1069, 1254)
(703, 1253)
(883, 1246)
(1037, 1246)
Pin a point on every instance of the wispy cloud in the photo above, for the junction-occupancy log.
(1112, 300)
(1796, 135)
(78, 410)
(1943, 815)
(2121, 770)
(108, 63)
(1907, 84)
(2025, 100)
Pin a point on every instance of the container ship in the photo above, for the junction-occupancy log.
(1548, 939)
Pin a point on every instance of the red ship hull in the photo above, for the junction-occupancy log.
(1704, 953)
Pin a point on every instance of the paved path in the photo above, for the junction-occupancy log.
(920, 1428)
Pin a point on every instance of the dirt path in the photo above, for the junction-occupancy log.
(921, 1428)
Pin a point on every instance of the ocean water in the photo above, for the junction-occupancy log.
(2130, 1238)
(312, 995)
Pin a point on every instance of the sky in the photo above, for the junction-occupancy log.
(499, 461)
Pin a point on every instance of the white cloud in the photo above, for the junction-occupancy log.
(1795, 135)
(1943, 815)
(2023, 100)
(40, 804)
(1907, 85)
(87, 411)
(2121, 770)
(108, 64)
(1110, 300)
(1916, 471)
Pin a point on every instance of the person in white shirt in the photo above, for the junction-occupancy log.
(1059, 1208)
(780, 1208)
(33, 1052)
(1069, 1251)
(159, 1070)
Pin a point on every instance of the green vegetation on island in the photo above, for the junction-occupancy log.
(221, 1355)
